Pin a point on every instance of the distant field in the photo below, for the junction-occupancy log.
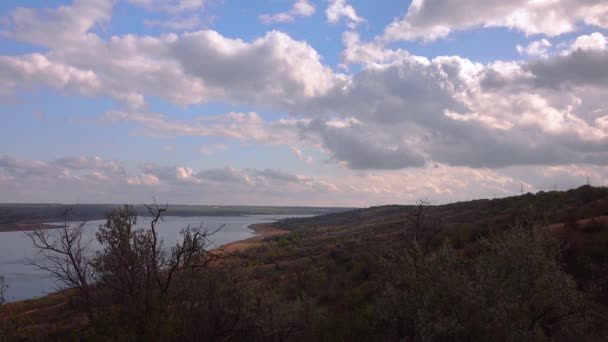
(11, 214)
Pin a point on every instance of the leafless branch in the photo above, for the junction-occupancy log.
(65, 258)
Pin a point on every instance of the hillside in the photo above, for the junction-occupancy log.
(578, 218)
(530, 267)
(476, 216)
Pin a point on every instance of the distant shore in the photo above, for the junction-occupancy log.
(261, 231)
(24, 227)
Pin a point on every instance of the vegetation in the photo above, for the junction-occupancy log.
(481, 270)
(11, 325)
(3, 287)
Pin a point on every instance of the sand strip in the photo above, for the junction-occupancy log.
(262, 231)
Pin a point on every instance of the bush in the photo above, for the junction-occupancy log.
(514, 290)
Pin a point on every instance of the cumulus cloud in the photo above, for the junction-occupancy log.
(412, 111)
(301, 8)
(582, 65)
(430, 20)
(358, 52)
(56, 27)
(338, 9)
(536, 48)
(397, 111)
(271, 69)
(594, 41)
(36, 69)
(191, 68)
(361, 148)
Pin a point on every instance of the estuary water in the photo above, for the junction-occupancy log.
(26, 281)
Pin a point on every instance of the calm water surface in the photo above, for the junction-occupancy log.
(26, 281)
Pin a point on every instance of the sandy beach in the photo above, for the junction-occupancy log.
(261, 230)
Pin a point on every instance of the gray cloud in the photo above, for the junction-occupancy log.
(433, 19)
(361, 148)
(580, 67)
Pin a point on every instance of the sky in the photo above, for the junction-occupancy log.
(300, 102)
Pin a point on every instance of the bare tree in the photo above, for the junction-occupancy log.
(65, 258)
(191, 253)
(423, 226)
(3, 288)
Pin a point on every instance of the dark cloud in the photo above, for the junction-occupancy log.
(578, 68)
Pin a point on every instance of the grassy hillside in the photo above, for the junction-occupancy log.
(578, 218)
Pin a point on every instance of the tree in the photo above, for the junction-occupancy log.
(3, 288)
(139, 272)
(422, 226)
(133, 272)
(65, 257)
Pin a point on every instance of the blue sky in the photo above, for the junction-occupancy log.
(299, 102)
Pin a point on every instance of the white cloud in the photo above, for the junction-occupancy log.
(143, 179)
(338, 9)
(430, 20)
(37, 69)
(594, 41)
(537, 48)
(398, 111)
(60, 26)
(301, 8)
(412, 111)
(271, 69)
(201, 66)
(366, 53)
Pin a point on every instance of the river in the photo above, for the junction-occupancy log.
(25, 281)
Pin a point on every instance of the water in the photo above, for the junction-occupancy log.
(26, 281)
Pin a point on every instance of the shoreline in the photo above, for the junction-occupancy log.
(26, 227)
(261, 231)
